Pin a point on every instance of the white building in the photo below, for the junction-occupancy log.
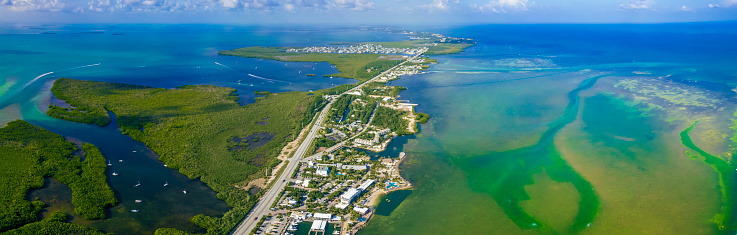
(349, 195)
(341, 205)
(365, 185)
(322, 216)
(361, 210)
(364, 142)
(323, 171)
(318, 225)
(305, 183)
(300, 215)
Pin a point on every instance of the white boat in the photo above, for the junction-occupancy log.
(134, 151)
(165, 165)
(120, 160)
(139, 184)
(108, 163)
(166, 184)
(115, 173)
(185, 191)
(134, 210)
(138, 201)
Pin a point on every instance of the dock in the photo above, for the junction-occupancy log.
(318, 226)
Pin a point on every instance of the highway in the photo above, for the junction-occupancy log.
(262, 208)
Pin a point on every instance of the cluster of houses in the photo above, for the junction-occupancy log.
(360, 49)
(401, 70)
(375, 140)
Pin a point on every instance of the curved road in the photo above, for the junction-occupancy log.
(262, 207)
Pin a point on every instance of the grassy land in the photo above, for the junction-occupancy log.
(28, 154)
(361, 67)
(727, 178)
(190, 128)
(448, 48)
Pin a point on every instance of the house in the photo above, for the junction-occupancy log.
(305, 183)
(323, 171)
(387, 161)
(364, 142)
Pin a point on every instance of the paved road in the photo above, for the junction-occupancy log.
(262, 208)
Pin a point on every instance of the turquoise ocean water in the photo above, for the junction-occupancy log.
(500, 155)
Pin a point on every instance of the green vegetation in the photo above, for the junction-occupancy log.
(191, 127)
(56, 224)
(28, 154)
(339, 106)
(362, 110)
(262, 92)
(422, 118)
(725, 172)
(381, 89)
(324, 142)
(392, 119)
(310, 74)
(448, 48)
(357, 66)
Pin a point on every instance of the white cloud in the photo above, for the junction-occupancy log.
(305, 4)
(713, 5)
(729, 3)
(36, 5)
(638, 5)
(356, 5)
(437, 5)
(502, 6)
(685, 8)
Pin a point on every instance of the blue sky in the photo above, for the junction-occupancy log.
(366, 11)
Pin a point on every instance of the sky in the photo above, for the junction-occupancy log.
(366, 11)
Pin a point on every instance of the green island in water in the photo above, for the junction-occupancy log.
(29, 154)
(205, 134)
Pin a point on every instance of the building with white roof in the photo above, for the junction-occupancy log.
(322, 216)
(365, 185)
(349, 195)
(361, 210)
(341, 205)
(318, 225)
(323, 171)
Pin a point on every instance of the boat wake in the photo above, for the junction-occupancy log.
(42, 75)
(251, 75)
